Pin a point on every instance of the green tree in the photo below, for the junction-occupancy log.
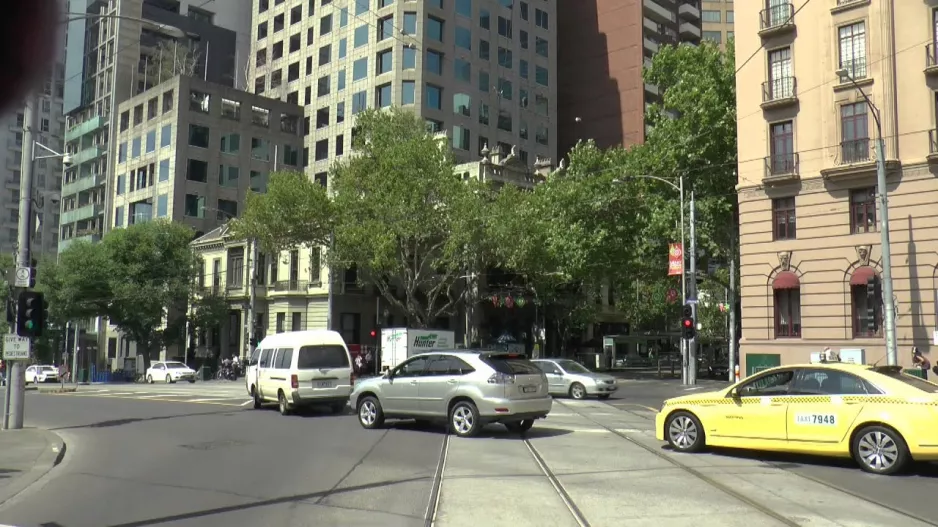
(295, 211)
(206, 310)
(140, 278)
(404, 219)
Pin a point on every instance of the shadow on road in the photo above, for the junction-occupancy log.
(491, 431)
(296, 498)
(131, 420)
(6, 473)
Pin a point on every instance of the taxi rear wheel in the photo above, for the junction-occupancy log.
(684, 432)
(880, 450)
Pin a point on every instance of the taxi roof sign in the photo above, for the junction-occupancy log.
(827, 355)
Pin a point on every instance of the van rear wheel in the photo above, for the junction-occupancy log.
(283, 404)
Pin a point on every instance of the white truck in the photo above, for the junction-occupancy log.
(397, 344)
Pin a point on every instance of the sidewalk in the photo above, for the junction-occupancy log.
(25, 456)
(495, 480)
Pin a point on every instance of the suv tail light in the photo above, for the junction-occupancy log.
(294, 382)
(351, 379)
(501, 378)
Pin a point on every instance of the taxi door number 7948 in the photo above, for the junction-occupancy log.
(816, 419)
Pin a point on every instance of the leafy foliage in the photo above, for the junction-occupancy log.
(404, 219)
(140, 278)
(294, 211)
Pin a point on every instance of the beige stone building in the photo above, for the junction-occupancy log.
(809, 231)
(717, 20)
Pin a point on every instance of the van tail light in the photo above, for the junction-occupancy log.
(294, 382)
(351, 379)
(501, 378)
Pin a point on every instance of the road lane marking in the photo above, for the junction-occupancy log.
(245, 403)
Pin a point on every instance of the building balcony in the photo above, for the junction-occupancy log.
(86, 127)
(288, 287)
(658, 12)
(779, 92)
(87, 235)
(776, 20)
(651, 45)
(931, 59)
(856, 159)
(87, 155)
(690, 30)
(13, 145)
(689, 11)
(781, 168)
(83, 183)
(84, 212)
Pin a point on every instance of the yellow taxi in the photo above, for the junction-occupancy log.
(878, 415)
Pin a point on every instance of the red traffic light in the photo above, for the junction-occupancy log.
(688, 322)
(374, 333)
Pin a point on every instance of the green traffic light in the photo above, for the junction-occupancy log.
(29, 324)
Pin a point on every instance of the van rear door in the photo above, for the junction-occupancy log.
(521, 377)
(324, 370)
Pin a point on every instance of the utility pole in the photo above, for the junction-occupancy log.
(16, 370)
(252, 294)
(888, 303)
(331, 285)
(692, 287)
(732, 302)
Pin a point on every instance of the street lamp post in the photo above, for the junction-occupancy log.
(882, 191)
(688, 350)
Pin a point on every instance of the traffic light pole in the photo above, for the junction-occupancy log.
(691, 363)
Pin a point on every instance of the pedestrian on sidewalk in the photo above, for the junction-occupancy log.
(921, 361)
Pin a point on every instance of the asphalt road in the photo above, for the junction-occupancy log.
(139, 462)
(197, 456)
(915, 492)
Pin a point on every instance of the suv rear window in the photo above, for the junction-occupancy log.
(511, 364)
(895, 372)
(322, 357)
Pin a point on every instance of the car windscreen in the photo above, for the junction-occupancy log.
(322, 357)
(571, 366)
(913, 381)
(176, 366)
(511, 364)
(48, 368)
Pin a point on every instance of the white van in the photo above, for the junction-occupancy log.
(302, 368)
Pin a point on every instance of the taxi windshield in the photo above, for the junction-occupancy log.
(916, 382)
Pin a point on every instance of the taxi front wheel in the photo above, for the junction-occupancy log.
(684, 432)
(880, 450)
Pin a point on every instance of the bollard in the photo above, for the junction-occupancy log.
(736, 372)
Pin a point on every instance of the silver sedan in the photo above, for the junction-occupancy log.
(570, 378)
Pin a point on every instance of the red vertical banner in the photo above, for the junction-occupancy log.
(675, 259)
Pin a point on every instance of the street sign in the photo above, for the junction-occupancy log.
(23, 275)
(15, 347)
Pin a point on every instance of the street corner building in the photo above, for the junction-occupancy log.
(828, 78)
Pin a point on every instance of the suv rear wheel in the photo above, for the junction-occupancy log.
(464, 419)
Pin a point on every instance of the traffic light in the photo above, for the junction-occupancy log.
(688, 327)
(374, 333)
(30, 314)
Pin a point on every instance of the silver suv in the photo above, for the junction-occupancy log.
(467, 389)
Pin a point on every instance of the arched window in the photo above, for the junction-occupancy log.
(787, 289)
(866, 299)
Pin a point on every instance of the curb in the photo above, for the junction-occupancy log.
(49, 459)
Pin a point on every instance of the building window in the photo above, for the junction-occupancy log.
(383, 96)
(195, 206)
(863, 210)
(541, 47)
(783, 218)
(360, 69)
(409, 58)
(504, 27)
(855, 146)
(781, 81)
(410, 23)
(463, 38)
(281, 322)
(384, 62)
(408, 92)
(541, 19)
(162, 206)
(866, 302)
(434, 97)
(853, 49)
(359, 102)
(296, 323)
(460, 138)
(462, 70)
(505, 59)
(164, 170)
(434, 29)
(711, 16)
(434, 62)
(713, 36)
(360, 36)
(198, 171)
(782, 148)
(385, 28)
(485, 19)
(541, 76)
(198, 136)
(787, 305)
(461, 104)
(228, 176)
(231, 143)
(464, 8)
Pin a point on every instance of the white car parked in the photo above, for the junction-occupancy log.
(41, 373)
(170, 372)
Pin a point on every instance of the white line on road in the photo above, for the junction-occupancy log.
(158, 396)
(693, 388)
(249, 401)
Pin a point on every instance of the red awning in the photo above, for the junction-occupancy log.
(786, 280)
(862, 275)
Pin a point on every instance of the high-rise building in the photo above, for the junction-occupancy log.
(826, 80)
(47, 173)
(603, 47)
(483, 71)
(128, 46)
(717, 19)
